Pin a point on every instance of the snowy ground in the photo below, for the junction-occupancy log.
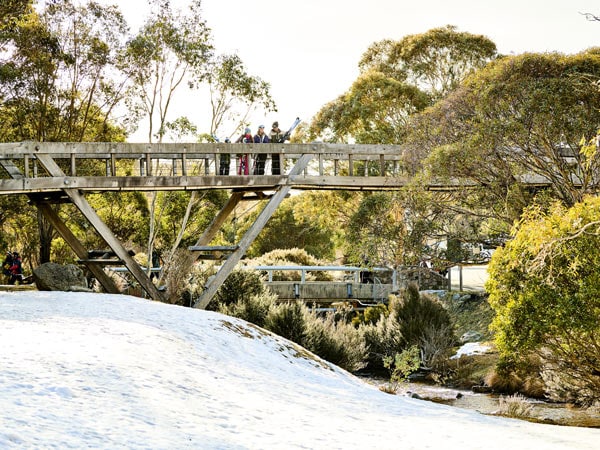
(108, 371)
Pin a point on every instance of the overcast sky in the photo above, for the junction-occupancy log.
(308, 50)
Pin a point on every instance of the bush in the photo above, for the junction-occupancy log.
(292, 257)
(288, 320)
(419, 315)
(414, 320)
(240, 284)
(544, 287)
(371, 315)
(335, 341)
(253, 308)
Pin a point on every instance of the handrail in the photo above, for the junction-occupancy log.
(303, 269)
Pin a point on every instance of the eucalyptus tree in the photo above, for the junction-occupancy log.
(375, 109)
(235, 94)
(435, 61)
(520, 116)
(170, 50)
(398, 79)
(59, 79)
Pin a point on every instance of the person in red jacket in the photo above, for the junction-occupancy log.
(243, 162)
(16, 270)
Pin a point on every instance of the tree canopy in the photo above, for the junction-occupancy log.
(544, 286)
(398, 79)
(520, 116)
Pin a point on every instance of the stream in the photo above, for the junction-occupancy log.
(544, 412)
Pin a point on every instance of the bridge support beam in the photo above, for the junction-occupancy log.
(82, 204)
(64, 231)
(254, 230)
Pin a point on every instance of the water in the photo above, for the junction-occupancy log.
(552, 413)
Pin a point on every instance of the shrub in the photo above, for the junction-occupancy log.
(370, 315)
(253, 308)
(335, 341)
(292, 257)
(419, 315)
(413, 320)
(287, 320)
(401, 365)
(239, 284)
(382, 339)
(544, 287)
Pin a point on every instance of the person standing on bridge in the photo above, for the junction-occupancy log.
(245, 138)
(261, 158)
(276, 136)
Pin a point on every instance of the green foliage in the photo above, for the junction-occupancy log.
(375, 109)
(417, 314)
(288, 228)
(232, 87)
(288, 320)
(61, 81)
(335, 341)
(240, 284)
(391, 229)
(544, 287)
(402, 364)
(438, 59)
(252, 308)
(519, 115)
(170, 46)
(371, 315)
(397, 80)
(414, 319)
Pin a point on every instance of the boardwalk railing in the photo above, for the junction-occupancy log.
(356, 285)
(126, 166)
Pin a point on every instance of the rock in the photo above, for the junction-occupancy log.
(57, 277)
(481, 389)
(471, 336)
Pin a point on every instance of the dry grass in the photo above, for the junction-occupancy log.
(515, 406)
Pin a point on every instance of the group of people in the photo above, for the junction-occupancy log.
(12, 269)
(260, 159)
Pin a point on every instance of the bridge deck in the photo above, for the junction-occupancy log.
(121, 166)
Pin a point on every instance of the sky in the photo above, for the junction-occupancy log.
(309, 50)
(102, 371)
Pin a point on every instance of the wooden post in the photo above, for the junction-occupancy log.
(81, 203)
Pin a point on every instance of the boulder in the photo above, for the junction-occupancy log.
(471, 336)
(57, 277)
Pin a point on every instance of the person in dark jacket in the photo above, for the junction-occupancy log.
(261, 158)
(224, 161)
(276, 136)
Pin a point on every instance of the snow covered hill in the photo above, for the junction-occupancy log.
(108, 371)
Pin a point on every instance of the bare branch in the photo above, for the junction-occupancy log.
(591, 17)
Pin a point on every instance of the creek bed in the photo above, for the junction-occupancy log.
(545, 412)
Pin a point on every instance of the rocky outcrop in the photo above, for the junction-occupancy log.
(58, 277)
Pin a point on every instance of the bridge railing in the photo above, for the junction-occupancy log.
(200, 159)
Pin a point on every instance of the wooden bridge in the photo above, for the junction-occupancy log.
(65, 172)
